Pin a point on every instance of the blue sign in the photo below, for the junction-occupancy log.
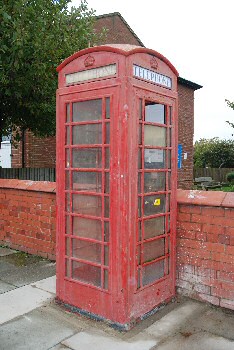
(180, 151)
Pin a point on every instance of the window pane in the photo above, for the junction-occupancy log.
(86, 273)
(155, 135)
(86, 250)
(107, 158)
(89, 205)
(67, 205)
(154, 249)
(106, 231)
(154, 158)
(87, 181)
(87, 134)
(87, 228)
(67, 157)
(87, 158)
(155, 113)
(67, 112)
(107, 182)
(154, 204)
(153, 272)
(87, 110)
(107, 207)
(67, 180)
(106, 279)
(107, 133)
(154, 227)
(154, 182)
(67, 246)
(67, 135)
(67, 267)
(68, 225)
(108, 108)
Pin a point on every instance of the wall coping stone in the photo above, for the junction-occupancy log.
(208, 198)
(194, 197)
(28, 185)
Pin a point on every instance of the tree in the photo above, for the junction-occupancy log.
(214, 153)
(36, 36)
(231, 105)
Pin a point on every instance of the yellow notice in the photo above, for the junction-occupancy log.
(157, 201)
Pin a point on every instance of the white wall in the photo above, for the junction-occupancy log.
(5, 154)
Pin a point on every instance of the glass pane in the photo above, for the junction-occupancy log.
(68, 225)
(89, 205)
(154, 158)
(86, 250)
(139, 182)
(107, 133)
(140, 108)
(155, 113)
(154, 204)
(140, 135)
(87, 110)
(87, 181)
(67, 180)
(108, 108)
(67, 112)
(152, 272)
(154, 227)
(169, 144)
(106, 255)
(170, 115)
(155, 136)
(169, 159)
(107, 207)
(154, 249)
(106, 231)
(139, 207)
(169, 181)
(154, 182)
(107, 182)
(106, 279)
(87, 158)
(67, 157)
(140, 159)
(67, 267)
(86, 273)
(107, 158)
(138, 278)
(87, 228)
(87, 134)
(67, 205)
(139, 230)
(67, 246)
(67, 135)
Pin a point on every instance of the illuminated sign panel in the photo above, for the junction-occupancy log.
(152, 76)
(91, 74)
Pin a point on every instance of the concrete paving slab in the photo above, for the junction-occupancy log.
(171, 323)
(59, 347)
(20, 301)
(40, 329)
(214, 320)
(99, 340)
(198, 341)
(5, 287)
(47, 284)
(23, 275)
(6, 251)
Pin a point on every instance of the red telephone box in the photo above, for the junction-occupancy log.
(116, 182)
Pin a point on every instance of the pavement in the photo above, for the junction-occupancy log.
(30, 319)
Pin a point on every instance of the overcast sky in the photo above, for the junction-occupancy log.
(197, 37)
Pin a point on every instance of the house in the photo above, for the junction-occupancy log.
(40, 152)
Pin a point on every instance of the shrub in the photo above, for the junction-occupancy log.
(230, 177)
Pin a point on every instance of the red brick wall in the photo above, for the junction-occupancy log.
(117, 31)
(28, 216)
(185, 134)
(205, 246)
(39, 152)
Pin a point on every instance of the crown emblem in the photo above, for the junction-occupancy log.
(89, 61)
(154, 63)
